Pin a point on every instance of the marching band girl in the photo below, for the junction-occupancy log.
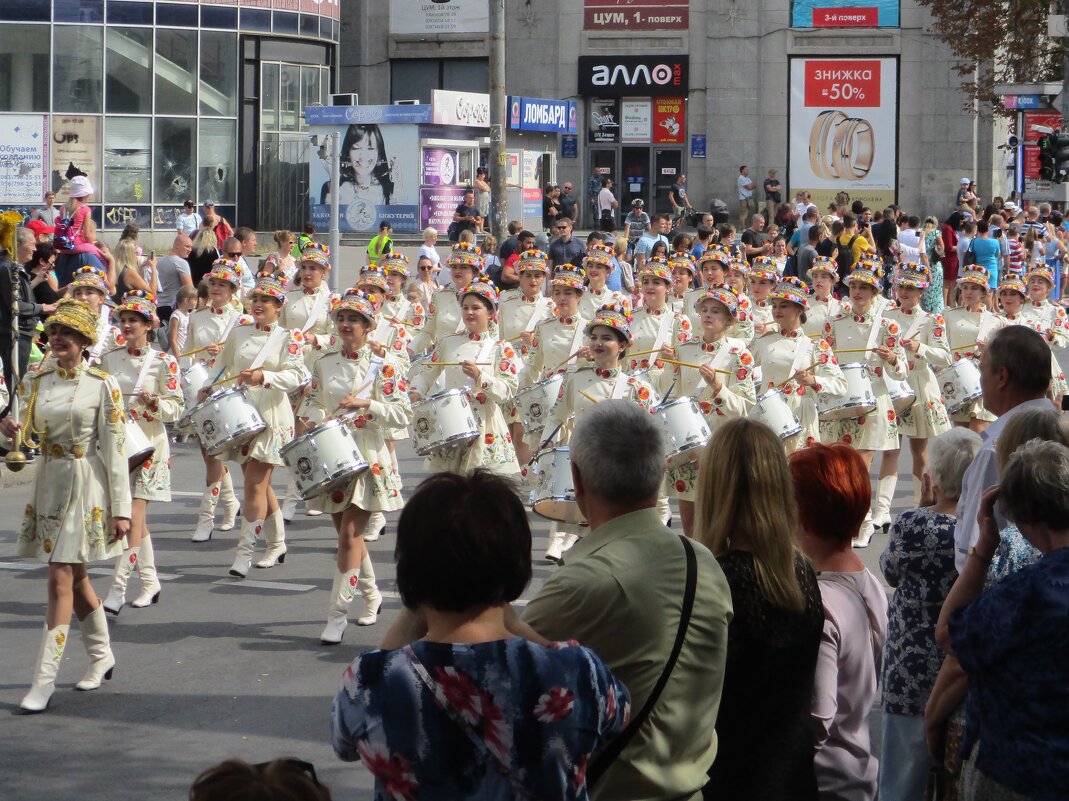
(598, 263)
(654, 327)
(267, 360)
(712, 268)
(722, 386)
(357, 380)
(684, 274)
(874, 340)
(1012, 295)
(793, 363)
(79, 510)
(148, 379)
(1048, 319)
(209, 328)
(968, 326)
(764, 275)
(927, 350)
(487, 368)
(823, 305)
(738, 275)
(307, 309)
(444, 318)
(90, 286)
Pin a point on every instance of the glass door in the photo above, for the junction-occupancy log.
(635, 179)
(668, 164)
(603, 165)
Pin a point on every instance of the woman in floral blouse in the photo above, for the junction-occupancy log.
(919, 563)
(471, 710)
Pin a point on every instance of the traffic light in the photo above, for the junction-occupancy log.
(1054, 157)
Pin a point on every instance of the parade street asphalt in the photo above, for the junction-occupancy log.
(219, 668)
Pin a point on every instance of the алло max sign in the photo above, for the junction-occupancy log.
(633, 76)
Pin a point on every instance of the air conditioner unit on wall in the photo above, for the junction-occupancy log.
(349, 99)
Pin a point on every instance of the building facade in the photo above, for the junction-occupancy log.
(831, 96)
(157, 102)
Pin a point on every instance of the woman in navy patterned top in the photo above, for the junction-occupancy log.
(472, 711)
(919, 564)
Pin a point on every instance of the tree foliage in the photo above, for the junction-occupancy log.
(996, 41)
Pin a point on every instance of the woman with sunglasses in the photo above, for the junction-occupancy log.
(598, 263)
(266, 359)
(209, 329)
(369, 388)
(148, 379)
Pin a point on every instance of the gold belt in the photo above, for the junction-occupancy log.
(53, 450)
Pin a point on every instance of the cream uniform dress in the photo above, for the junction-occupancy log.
(744, 321)
(761, 313)
(152, 480)
(652, 330)
(443, 320)
(1057, 377)
(599, 385)
(492, 448)
(518, 313)
(877, 430)
(1050, 321)
(780, 354)
(83, 479)
(594, 299)
(821, 312)
(210, 326)
(963, 329)
(400, 321)
(735, 398)
(308, 311)
(927, 417)
(284, 371)
(109, 336)
(555, 340)
(338, 374)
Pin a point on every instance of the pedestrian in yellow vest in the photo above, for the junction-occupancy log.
(380, 245)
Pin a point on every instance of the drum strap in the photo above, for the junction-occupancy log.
(146, 365)
(230, 326)
(801, 355)
(536, 315)
(102, 330)
(919, 316)
(484, 354)
(577, 341)
(317, 308)
(369, 378)
(273, 341)
(874, 332)
(665, 330)
(620, 386)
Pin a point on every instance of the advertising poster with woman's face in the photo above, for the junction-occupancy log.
(379, 180)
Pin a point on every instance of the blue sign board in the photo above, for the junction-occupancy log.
(697, 146)
(535, 114)
(368, 115)
(1021, 102)
(569, 146)
(845, 14)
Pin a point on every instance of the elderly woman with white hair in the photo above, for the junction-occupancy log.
(1012, 638)
(919, 563)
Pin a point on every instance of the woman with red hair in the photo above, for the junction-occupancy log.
(832, 491)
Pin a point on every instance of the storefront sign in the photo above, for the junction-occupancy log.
(622, 15)
(845, 14)
(75, 150)
(843, 129)
(669, 120)
(439, 16)
(437, 205)
(367, 115)
(697, 146)
(635, 121)
(24, 144)
(630, 76)
(439, 167)
(1021, 102)
(470, 109)
(603, 125)
(569, 146)
(551, 116)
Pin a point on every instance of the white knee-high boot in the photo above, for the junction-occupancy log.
(113, 604)
(341, 596)
(885, 493)
(376, 525)
(370, 591)
(289, 501)
(918, 491)
(206, 515)
(98, 645)
(250, 532)
(146, 569)
(275, 533)
(664, 510)
(230, 502)
(44, 677)
(864, 536)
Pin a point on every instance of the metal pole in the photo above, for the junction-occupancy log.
(499, 209)
(335, 191)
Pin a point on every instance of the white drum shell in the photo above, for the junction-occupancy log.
(857, 401)
(441, 420)
(960, 385)
(773, 410)
(900, 392)
(138, 447)
(323, 459)
(554, 496)
(226, 420)
(194, 379)
(686, 432)
(535, 402)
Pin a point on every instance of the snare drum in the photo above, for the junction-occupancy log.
(685, 431)
(442, 420)
(857, 401)
(323, 459)
(900, 392)
(554, 496)
(534, 403)
(773, 410)
(960, 384)
(226, 420)
(194, 378)
(138, 447)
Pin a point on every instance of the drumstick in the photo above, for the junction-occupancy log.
(969, 345)
(401, 322)
(198, 350)
(555, 369)
(589, 397)
(695, 366)
(852, 350)
(223, 381)
(803, 370)
(457, 364)
(643, 353)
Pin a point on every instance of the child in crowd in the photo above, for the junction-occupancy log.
(178, 326)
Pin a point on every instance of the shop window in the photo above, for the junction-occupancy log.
(129, 71)
(415, 79)
(312, 79)
(127, 160)
(176, 71)
(269, 97)
(174, 159)
(24, 68)
(218, 74)
(217, 160)
(83, 11)
(78, 69)
(290, 98)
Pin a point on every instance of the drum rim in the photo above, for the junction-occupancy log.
(444, 393)
(331, 423)
(326, 485)
(453, 440)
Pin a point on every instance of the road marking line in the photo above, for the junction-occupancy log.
(104, 571)
(264, 585)
(20, 566)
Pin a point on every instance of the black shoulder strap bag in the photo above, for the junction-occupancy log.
(611, 752)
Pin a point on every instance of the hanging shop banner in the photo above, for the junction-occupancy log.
(844, 129)
(439, 167)
(438, 204)
(697, 146)
(439, 16)
(845, 14)
(669, 120)
(75, 151)
(23, 159)
(603, 125)
(468, 109)
(628, 15)
(535, 114)
(636, 120)
(630, 76)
